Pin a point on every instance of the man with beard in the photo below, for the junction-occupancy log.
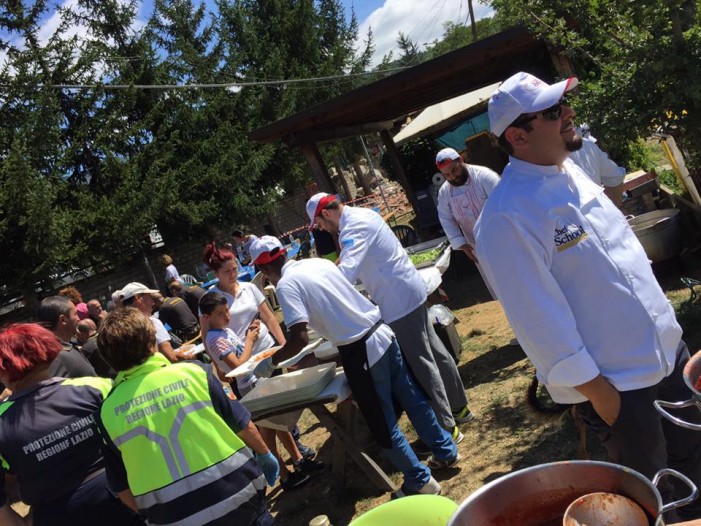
(578, 290)
(461, 199)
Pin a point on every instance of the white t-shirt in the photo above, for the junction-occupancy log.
(575, 282)
(172, 272)
(372, 253)
(314, 291)
(243, 309)
(161, 332)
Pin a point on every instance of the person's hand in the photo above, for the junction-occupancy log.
(253, 332)
(604, 397)
(181, 356)
(269, 466)
(265, 368)
(692, 366)
(608, 407)
(469, 252)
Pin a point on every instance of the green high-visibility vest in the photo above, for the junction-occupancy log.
(160, 417)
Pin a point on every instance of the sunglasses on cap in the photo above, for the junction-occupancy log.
(552, 113)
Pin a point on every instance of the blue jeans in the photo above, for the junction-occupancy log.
(391, 378)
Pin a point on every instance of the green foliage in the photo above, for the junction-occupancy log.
(639, 156)
(671, 181)
(418, 160)
(456, 36)
(86, 173)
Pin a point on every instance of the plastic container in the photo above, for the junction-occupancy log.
(440, 315)
(320, 520)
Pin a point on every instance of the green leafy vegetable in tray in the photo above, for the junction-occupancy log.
(425, 256)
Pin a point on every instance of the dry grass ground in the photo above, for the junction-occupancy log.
(506, 436)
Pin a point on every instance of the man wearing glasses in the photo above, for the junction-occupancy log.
(577, 287)
(461, 199)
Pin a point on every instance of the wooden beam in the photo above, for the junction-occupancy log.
(336, 132)
(399, 169)
(319, 171)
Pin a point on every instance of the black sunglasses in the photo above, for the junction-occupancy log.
(552, 113)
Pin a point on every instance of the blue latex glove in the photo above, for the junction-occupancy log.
(269, 466)
(265, 368)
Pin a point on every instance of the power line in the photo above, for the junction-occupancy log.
(241, 84)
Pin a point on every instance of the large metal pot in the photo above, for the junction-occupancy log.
(659, 232)
(539, 496)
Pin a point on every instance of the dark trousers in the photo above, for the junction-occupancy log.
(89, 505)
(643, 440)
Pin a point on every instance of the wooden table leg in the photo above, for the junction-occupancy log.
(345, 443)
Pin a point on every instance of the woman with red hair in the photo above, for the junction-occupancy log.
(246, 304)
(49, 439)
(245, 301)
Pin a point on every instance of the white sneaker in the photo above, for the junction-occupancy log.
(432, 487)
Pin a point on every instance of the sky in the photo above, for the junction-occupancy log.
(421, 20)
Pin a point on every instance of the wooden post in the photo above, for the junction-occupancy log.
(361, 178)
(346, 188)
(399, 170)
(319, 171)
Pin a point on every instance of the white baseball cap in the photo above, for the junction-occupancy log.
(266, 249)
(132, 289)
(316, 204)
(446, 156)
(523, 93)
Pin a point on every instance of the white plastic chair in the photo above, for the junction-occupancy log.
(189, 279)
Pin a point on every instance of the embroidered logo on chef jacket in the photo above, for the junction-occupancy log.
(568, 236)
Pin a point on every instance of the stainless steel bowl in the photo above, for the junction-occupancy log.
(540, 495)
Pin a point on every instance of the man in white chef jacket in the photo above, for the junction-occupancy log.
(372, 253)
(599, 167)
(578, 290)
(313, 293)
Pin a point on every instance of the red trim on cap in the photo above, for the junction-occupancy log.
(265, 257)
(445, 162)
(323, 203)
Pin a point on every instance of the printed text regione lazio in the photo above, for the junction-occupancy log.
(61, 439)
(568, 236)
(152, 401)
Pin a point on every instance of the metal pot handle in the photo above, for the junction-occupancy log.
(659, 404)
(683, 502)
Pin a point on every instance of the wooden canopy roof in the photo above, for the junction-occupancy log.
(376, 106)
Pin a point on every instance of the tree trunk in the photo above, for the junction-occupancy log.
(362, 181)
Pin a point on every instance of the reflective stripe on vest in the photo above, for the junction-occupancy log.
(198, 480)
(181, 468)
(222, 507)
